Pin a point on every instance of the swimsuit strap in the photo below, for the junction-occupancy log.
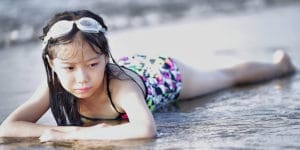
(109, 95)
(97, 119)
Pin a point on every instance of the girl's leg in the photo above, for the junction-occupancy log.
(197, 83)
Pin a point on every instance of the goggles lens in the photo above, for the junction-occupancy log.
(63, 27)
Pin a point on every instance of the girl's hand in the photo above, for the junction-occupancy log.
(52, 135)
(102, 125)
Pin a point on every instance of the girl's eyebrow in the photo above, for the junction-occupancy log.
(93, 58)
(70, 62)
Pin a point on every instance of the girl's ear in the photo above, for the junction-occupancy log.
(50, 62)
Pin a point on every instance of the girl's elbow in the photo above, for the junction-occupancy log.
(149, 132)
(3, 131)
(7, 129)
(153, 133)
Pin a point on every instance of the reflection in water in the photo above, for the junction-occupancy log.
(30, 143)
(14, 143)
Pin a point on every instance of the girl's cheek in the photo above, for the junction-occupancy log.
(64, 79)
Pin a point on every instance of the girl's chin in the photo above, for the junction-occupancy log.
(81, 96)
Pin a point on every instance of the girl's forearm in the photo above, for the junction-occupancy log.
(118, 132)
(97, 132)
(28, 129)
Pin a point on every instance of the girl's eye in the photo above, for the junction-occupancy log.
(69, 68)
(94, 64)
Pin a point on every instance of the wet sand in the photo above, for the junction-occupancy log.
(259, 116)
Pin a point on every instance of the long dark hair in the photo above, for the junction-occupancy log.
(62, 103)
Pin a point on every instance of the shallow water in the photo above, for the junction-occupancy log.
(261, 116)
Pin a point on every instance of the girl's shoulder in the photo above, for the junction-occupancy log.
(121, 90)
(116, 72)
(123, 79)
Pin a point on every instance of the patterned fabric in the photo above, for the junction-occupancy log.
(161, 77)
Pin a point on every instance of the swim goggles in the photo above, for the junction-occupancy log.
(63, 27)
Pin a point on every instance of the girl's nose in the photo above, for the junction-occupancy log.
(81, 76)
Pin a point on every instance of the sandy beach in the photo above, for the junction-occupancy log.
(255, 117)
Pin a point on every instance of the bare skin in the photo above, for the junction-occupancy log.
(197, 83)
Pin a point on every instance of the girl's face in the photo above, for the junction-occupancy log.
(80, 70)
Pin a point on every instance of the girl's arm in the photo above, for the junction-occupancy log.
(21, 122)
(127, 98)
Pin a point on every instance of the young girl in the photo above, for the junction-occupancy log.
(86, 85)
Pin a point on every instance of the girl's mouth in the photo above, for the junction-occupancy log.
(83, 89)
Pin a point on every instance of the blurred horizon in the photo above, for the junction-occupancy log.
(22, 21)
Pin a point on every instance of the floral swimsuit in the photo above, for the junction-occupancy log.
(161, 77)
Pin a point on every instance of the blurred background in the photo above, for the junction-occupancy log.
(206, 34)
(22, 21)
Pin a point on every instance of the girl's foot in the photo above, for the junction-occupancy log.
(283, 60)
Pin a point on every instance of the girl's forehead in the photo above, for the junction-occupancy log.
(76, 51)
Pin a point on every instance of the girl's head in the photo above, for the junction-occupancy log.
(63, 27)
(75, 55)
